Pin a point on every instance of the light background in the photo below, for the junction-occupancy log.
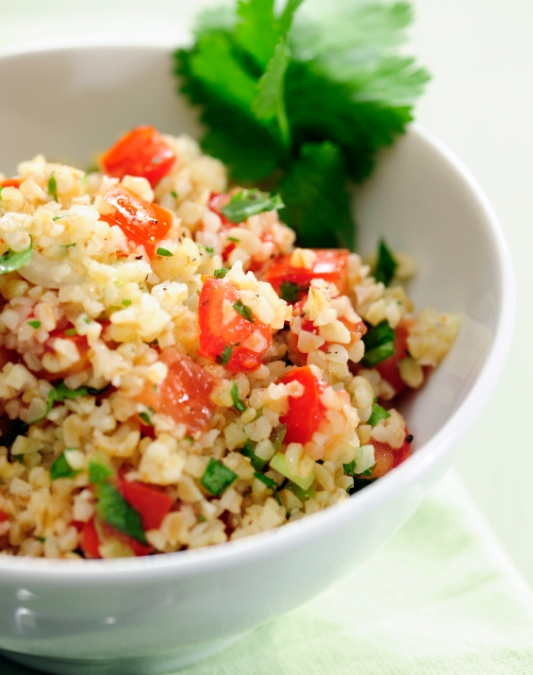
(480, 103)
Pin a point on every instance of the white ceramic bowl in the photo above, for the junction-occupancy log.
(149, 615)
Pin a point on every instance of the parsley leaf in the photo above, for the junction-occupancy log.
(314, 192)
(386, 264)
(378, 414)
(235, 398)
(220, 273)
(217, 477)
(247, 203)
(52, 187)
(243, 310)
(34, 324)
(269, 483)
(248, 451)
(12, 261)
(223, 359)
(61, 468)
(291, 292)
(164, 252)
(115, 511)
(379, 344)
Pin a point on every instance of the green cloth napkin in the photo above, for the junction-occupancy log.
(440, 598)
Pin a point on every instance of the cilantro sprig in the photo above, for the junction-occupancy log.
(302, 103)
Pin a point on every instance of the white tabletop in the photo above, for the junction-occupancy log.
(480, 103)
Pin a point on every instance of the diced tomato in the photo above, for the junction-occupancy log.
(3, 516)
(227, 250)
(184, 394)
(330, 265)
(218, 332)
(388, 368)
(149, 501)
(142, 222)
(90, 542)
(387, 458)
(11, 182)
(306, 412)
(141, 152)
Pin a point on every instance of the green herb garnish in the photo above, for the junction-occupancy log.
(174, 194)
(52, 187)
(146, 418)
(235, 397)
(378, 413)
(223, 359)
(99, 473)
(71, 332)
(165, 253)
(115, 511)
(34, 324)
(349, 469)
(61, 468)
(379, 344)
(248, 451)
(278, 435)
(126, 302)
(386, 264)
(234, 239)
(303, 105)
(11, 261)
(291, 292)
(269, 483)
(217, 477)
(247, 203)
(220, 273)
(244, 311)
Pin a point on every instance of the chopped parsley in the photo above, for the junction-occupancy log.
(235, 398)
(174, 194)
(378, 414)
(71, 332)
(269, 483)
(291, 292)
(386, 264)
(98, 472)
(115, 511)
(234, 239)
(223, 359)
(61, 468)
(379, 344)
(220, 273)
(64, 215)
(11, 261)
(52, 187)
(165, 253)
(349, 469)
(146, 418)
(246, 203)
(248, 451)
(217, 477)
(126, 302)
(34, 324)
(244, 311)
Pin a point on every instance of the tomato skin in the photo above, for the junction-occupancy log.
(3, 516)
(216, 203)
(142, 222)
(90, 542)
(216, 333)
(151, 503)
(388, 458)
(11, 182)
(388, 368)
(329, 265)
(305, 413)
(184, 394)
(141, 152)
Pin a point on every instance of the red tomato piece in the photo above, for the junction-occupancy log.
(11, 182)
(387, 458)
(305, 413)
(3, 516)
(151, 503)
(403, 453)
(330, 265)
(90, 542)
(142, 222)
(218, 333)
(184, 394)
(388, 368)
(141, 152)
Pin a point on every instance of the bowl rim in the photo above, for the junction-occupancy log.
(297, 534)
